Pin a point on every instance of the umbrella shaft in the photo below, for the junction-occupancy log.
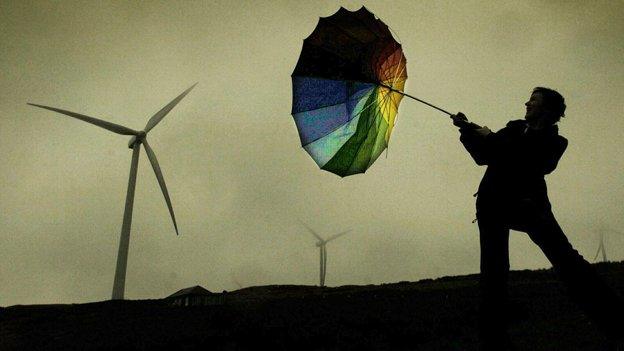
(417, 99)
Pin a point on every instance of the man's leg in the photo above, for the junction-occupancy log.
(494, 240)
(586, 288)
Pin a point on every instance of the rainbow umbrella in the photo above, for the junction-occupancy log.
(347, 87)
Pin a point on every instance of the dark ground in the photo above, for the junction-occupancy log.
(426, 315)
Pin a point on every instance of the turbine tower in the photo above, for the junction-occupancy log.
(138, 138)
(322, 245)
(601, 248)
(238, 284)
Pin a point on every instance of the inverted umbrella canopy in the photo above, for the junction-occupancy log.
(347, 87)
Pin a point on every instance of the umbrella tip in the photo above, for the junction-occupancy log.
(342, 9)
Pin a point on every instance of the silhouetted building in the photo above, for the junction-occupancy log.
(195, 296)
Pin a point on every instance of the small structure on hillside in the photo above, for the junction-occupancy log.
(195, 296)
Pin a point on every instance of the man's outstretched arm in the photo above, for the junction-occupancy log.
(474, 138)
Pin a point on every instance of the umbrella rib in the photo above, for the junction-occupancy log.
(379, 118)
(372, 66)
(396, 105)
(369, 28)
(391, 124)
(368, 131)
(333, 24)
(341, 79)
(387, 98)
(359, 113)
(392, 32)
(393, 76)
(386, 136)
(346, 91)
(396, 71)
(335, 129)
(351, 61)
(321, 107)
(386, 110)
(379, 28)
(377, 112)
(337, 104)
(399, 80)
(385, 71)
(375, 64)
(386, 107)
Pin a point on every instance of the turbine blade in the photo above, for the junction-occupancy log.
(311, 231)
(116, 128)
(616, 231)
(338, 235)
(163, 112)
(124, 240)
(161, 181)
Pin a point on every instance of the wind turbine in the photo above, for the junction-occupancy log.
(138, 138)
(601, 247)
(238, 284)
(322, 245)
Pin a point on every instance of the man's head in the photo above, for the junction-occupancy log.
(546, 105)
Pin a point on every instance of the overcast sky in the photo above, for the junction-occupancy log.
(231, 156)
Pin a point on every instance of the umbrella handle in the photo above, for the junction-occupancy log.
(417, 99)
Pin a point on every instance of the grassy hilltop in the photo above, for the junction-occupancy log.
(435, 314)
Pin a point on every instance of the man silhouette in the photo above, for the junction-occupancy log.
(513, 195)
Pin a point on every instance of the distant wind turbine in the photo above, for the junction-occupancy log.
(322, 245)
(601, 246)
(138, 138)
(238, 284)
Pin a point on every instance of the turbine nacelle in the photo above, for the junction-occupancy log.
(137, 138)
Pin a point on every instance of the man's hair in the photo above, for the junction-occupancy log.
(553, 101)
